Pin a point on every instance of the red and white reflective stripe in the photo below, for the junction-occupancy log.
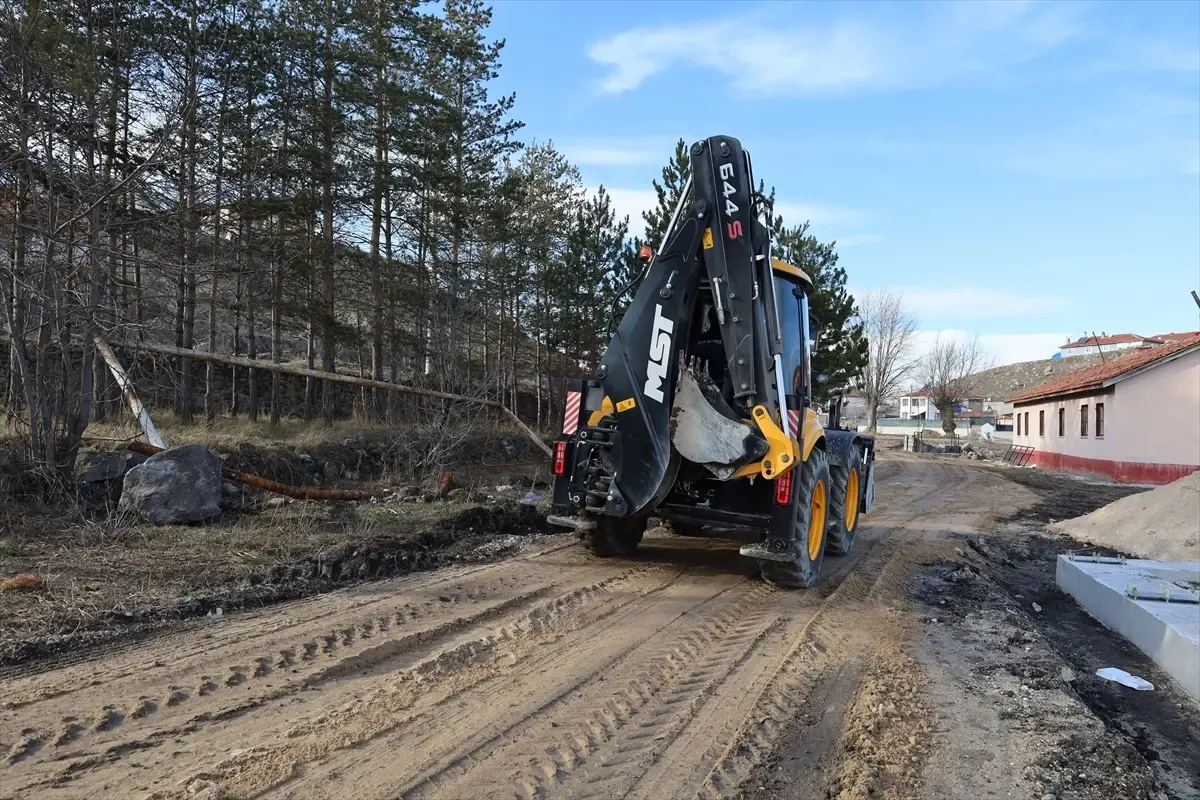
(794, 422)
(571, 417)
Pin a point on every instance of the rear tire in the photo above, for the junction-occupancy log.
(808, 544)
(614, 536)
(845, 492)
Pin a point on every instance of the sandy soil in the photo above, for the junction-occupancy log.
(1161, 524)
(674, 674)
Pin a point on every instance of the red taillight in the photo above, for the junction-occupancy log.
(560, 458)
(783, 489)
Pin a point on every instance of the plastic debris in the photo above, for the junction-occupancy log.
(1125, 679)
(530, 499)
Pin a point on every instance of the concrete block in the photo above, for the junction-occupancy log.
(1168, 632)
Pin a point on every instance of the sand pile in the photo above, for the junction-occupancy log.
(1161, 524)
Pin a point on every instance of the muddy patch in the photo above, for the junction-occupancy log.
(999, 632)
(144, 580)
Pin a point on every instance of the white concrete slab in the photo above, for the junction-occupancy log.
(1168, 632)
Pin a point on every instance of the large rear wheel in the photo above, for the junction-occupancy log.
(845, 492)
(811, 515)
(614, 536)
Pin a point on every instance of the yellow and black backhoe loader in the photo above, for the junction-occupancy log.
(700, 412)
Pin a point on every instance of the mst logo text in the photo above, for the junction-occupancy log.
(660, 347)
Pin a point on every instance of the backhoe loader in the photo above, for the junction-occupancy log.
(700, 412)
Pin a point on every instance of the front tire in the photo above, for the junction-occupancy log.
(614, 536)
(846, 485)
(811, 515)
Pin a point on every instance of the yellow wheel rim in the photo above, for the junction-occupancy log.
(851, 500)
(816, 521)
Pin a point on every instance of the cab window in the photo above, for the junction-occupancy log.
(790, 310)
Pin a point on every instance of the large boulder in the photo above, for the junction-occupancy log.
(99, 476)
(179, 485)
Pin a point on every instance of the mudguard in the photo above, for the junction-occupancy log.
(839, 445)
(639, 372)
(868, 496)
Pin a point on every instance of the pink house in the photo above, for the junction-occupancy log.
(1134, 418)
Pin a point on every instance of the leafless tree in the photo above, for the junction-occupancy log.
(891, 336)
(948, 373)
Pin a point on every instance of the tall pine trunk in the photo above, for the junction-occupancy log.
(210, 372)
(328, 253)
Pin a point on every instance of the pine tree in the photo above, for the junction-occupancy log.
(674, 178)
(598, 254)
(325, 179)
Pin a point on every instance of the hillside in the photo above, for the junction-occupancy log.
(1001, 382)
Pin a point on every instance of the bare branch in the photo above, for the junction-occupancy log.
(891, 336)
(948, 372)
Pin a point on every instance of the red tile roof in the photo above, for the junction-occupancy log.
(1176, 337)
(1116, 338)
(1096, 376)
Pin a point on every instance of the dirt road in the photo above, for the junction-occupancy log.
(675, 674)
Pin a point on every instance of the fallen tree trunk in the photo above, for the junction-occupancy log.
(131, 398)
(297, 492)
(303, 372)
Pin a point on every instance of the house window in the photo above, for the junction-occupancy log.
(1027, 433)
(1042, 422)
(1062, 422)
(1018, 424)
(1099, 420)
(1083, 412)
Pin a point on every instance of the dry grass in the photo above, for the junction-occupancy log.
(101, 576)
(230, 432)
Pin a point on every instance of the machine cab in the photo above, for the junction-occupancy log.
(792, 289)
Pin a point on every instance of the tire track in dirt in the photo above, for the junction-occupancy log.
(542, 677)
(599, 753)
(606, 729)
(600, 712)
(193, 639)
(667, 675)
(351, 645)
(349, 648)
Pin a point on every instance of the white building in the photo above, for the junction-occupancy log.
(1095, 345)
(1135, 418)
(917, 405)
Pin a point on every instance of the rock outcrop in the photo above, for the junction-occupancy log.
(180, 485)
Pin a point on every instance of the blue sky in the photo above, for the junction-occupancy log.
(1029, 171)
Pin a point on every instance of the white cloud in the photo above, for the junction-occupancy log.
(1000, 348)
(855, 240)
(823, 217)
(1143, 54)
(819, 215)
(975, 302)
(632, 202)
(761, 56)
(615, 152)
